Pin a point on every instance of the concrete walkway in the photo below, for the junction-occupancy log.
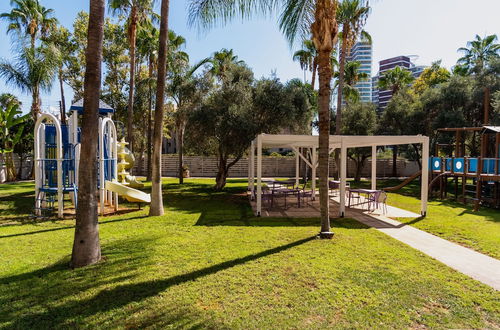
(474, 264)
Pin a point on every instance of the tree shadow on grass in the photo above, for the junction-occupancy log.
(101, 222)
(52, 313)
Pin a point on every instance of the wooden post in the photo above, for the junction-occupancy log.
(343, 175)
(259, 175)
(478, 183)
(314, 163)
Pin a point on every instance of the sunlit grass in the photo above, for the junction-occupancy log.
(208, 263)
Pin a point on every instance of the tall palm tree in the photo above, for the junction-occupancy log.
(138, 12)
(479, 52)
(308, 59)
(185, 90)
(476, 57)
(352, 76)
(33, 71)
(156, 207)
(395, 79)
(29, 17)
(147, 43)
(352, 15)
(299, 18)
(86, 245)
(220, 62)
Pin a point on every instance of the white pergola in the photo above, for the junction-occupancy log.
(309, 143)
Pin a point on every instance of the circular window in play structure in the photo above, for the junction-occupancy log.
(436, 164)
(458, 165)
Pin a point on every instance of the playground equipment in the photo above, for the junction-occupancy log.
(57, 155)
(479, 176)
(127, 161)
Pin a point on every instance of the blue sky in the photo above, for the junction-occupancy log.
(431, 29)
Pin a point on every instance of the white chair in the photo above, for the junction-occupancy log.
(382, 201)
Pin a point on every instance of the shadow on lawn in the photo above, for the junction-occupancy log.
(60, 305)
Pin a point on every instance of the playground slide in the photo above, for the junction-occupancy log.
(130, 194)
(405, 182)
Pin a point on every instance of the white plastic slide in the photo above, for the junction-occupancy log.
(130, 194)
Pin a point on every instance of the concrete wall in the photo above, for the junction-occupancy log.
(271, 167)
(25, 171)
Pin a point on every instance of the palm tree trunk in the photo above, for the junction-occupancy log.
(86, 246)
(150, 121)
(325, 75)
(63, 101)
(180, 149)
(35, 104)
(156, 194)
(130, 109)
(340, 92)
(315, 67)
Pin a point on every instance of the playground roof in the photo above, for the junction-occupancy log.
(350, 141)
(103, 107)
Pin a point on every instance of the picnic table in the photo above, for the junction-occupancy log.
(371, 196)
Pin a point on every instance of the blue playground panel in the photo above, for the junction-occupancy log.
(435, 163)
(458, 165)
(488, 165)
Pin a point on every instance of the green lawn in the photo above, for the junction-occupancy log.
(449, 219)
(209, 264)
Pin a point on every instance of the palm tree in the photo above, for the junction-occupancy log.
(308, 59)
(29, 17)
(138, 12)
(185, 89)
(352, 76)
(220, 62)
(352, 15)
(299, 18)
(156, 207)
(477, 56)
(32, 72)
(395, 79)
(147, 43)
(479, 52)
(86, 246)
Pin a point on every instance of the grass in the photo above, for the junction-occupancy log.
(208, 263)
(449, 219)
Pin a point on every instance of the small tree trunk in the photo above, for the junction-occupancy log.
(130, 108)
(35, 104)
(315, 67)
(395, 161)
(63, 101)
(180, 150)
(86, 246)
(10, 168)
(20, 169)
(222, 171)
(156, 192)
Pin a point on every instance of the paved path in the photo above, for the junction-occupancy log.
(474, 264)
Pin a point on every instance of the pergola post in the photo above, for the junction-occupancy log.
(297, 168)
(424, 193)
(314, 162)
(251, 166)
(374, 168)
(259, 175)
(343, 177)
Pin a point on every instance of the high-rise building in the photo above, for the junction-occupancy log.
(362, 52)
(382, 97)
